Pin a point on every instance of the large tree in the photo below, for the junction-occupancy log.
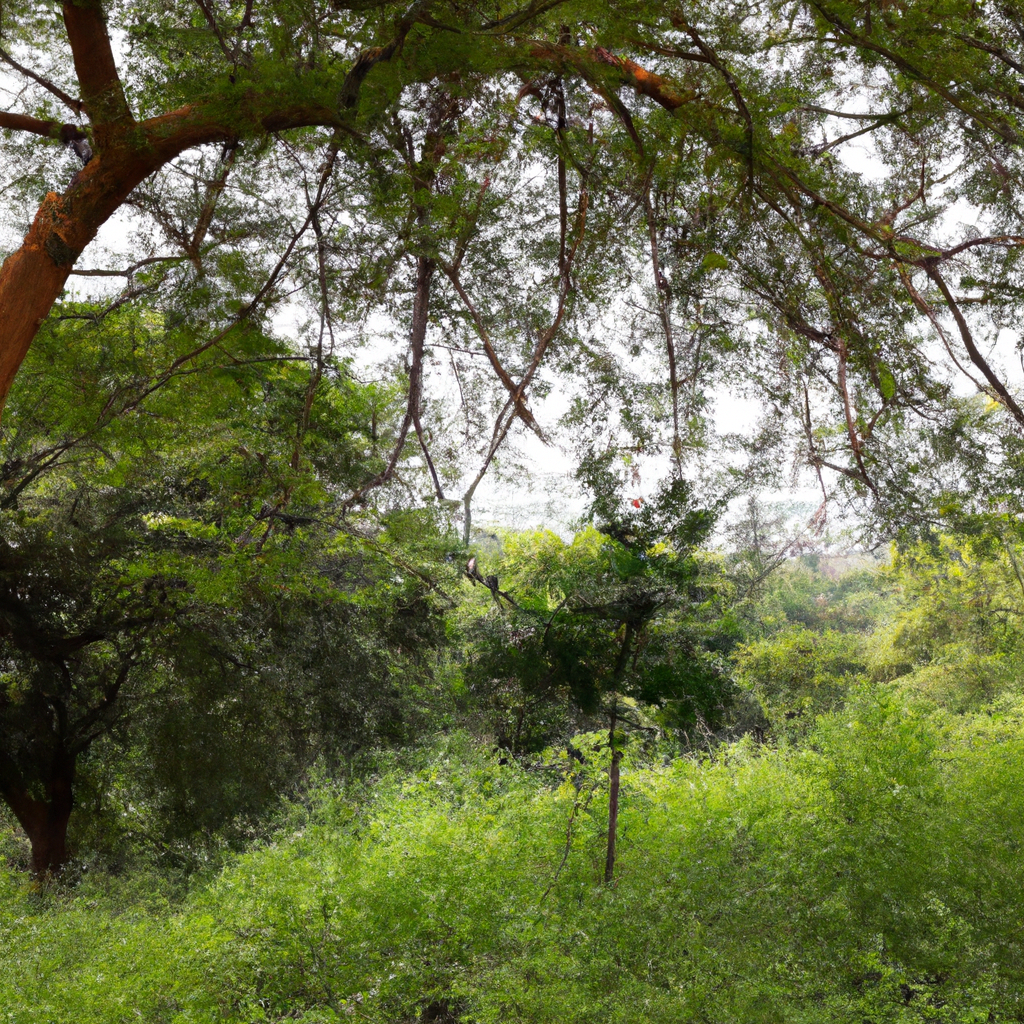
(496, 176)
(573, 187)
(176, 580)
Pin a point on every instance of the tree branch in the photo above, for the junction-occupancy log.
(977, 358)
(102, 93)
(1003, 130)
(26, 123)
(76, 105)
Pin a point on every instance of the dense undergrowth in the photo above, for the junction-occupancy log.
(846, 847)
(873, 872)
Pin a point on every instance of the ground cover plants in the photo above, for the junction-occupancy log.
(834, 882)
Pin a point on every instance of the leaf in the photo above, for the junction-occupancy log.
(714, 261)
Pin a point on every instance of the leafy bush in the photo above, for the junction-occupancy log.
(874, 875)
(799, 673)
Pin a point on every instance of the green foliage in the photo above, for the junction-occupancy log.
(875, 878)
(601, 619)
(810, 627)
(196, 606)
(940, 621)
(799, 673)
(716, 208)
(184, 625)
(954, 636)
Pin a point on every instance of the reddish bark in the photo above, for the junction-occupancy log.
(102, 93)
(127, 152)
(645, 82)
(32, 278)
(26, 123)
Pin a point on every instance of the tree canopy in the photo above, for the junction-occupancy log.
(817, 201)
(174, 581)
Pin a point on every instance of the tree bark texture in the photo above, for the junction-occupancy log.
(45, 816)
(613, 799)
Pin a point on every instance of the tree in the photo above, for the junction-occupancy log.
(621, 622)
(800, 673)
(490, 184)
(175, 577)
(953, 635)
(198, 77)
(692, 156)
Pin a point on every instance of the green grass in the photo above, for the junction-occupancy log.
(874, 874)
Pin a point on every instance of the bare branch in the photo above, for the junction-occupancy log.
(485, 338)
(825, 147)
(211, 20)
(76, 105)
(1009, 241)
(890, 116)
(128, 271)
(209, 206)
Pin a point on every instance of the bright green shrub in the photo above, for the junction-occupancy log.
(874, 875)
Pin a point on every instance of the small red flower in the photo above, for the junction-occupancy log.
(637, 502)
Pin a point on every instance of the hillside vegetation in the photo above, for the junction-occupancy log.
(863, 863)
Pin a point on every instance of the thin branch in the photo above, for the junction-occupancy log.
(977, 358)
(128, 271)
(211, 20)
(730, 80)
(76, 105)
(1003, 130)
(103, 711)
(215, 188)
(925, 307)
(665, 315)
(498, 435)
(522, 411)
(995, 51)
(856, 443)
(825, 147)
(1005, 240)
(891, 116)
(243, 314)
(520, 17)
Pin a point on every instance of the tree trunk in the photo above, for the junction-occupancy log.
(613, 799)
(45, 820)
(33, 277)
(30, 282)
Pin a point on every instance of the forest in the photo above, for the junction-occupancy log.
(511, 512)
